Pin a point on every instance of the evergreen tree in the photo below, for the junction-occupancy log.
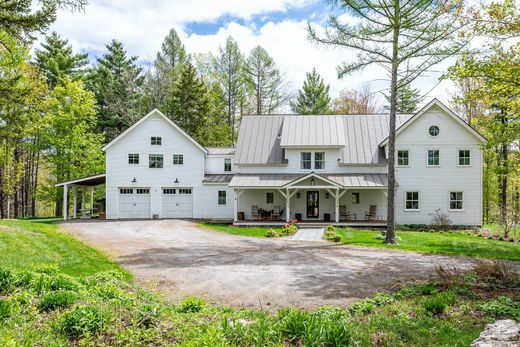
(57, 61)
(266, 81)
(314, 97)
(189, 104)
(407, 99)
(117, 84)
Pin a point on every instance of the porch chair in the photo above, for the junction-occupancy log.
(371, 214)
(275, 215)
(344, 214)
(255, 213)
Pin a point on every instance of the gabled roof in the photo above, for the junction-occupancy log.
(311, 175)
(422, 111)
(150, 114)
(313, 131)
(280, 181)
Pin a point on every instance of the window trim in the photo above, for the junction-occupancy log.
(128, 158)
(184, 191)
(142, 191)
(228, 161)
(418, 209)
(302, 161)
(449, 201)
(315, 161)
(407, 157)
(180, 155)
(162, 161)
(458, 157)
(156, 138)
(358, 198)
(428, 157)
(219, 203)
(267, 200)
(126, 191)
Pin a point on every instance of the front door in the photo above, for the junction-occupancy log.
(313, 204)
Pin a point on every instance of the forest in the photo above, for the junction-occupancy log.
(58, 108)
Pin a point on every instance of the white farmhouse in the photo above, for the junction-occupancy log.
(323, 168)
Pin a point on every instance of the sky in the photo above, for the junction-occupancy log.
(203, 25)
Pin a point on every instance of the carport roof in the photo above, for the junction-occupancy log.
(357, 180)
(94, 180)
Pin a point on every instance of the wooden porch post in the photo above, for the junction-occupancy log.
(91, 198)
(235, 206)
(337, 205)
(65, 202)
(288, 206)
(75, 199)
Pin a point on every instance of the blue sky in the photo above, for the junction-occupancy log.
(203, 25)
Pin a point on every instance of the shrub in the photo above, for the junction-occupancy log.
(5, 310)
(289, 229)
(437, 304)
(334, 238)
(82, 321)
(57, 299)
(191, 305)
(331, 228)
(440, 220)
(272, 233)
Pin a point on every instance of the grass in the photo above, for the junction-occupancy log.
(234, 230)
(436, 242)
(52, 300)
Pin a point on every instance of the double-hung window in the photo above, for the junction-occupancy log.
(456, 201)
(433, 157)
(403, 158)
(156, 140)
(227, 165)
(319, 160)
(133, 158)
(464, 157)
(178, 159)
(412, 201)
(222, 197)
(155, 161)
(306, 160)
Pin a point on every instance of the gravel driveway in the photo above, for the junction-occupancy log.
(183, 259)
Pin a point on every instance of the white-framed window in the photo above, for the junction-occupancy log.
(155, 161)
(319, 161)
(412, 201)
(464, 157)
(142, 191)
(178, 159)
(133, 158)
(185, 191)
(222, 197)
(168, 191)
(156, 140)
(434, 157)
(355, 198)
(269, 198)
(403, 158)
(456, 201)
(434, 131)
(306, 160)
(227, 165)
(126, 191)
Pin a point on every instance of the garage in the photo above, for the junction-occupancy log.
(177, 203)
(134, 203)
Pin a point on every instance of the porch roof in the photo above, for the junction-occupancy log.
(94, 180)
(217, 178)
(356, 180)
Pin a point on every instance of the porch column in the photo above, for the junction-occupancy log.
(288, 206)
(337, 205)
(65, 202)
(235, 206)
(75, 204)
(91, 198)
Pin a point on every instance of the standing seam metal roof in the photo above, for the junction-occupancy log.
(361, 180)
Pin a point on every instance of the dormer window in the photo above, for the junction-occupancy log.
(156, 140)
(434, 131)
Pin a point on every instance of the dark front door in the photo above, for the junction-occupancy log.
(313, 204)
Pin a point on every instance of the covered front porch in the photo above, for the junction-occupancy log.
(314, 199)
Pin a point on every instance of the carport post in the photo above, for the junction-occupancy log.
(65, 202)
(75, 204)
(91, 198)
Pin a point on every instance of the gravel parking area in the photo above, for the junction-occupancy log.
(182, 259)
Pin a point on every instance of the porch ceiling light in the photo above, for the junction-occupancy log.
(312, 181)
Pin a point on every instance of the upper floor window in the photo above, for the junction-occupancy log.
(306, 160)
(178, 159)
(155, 161)
(156, 140)
(269, 198)
(133, 158)
(222, 197)
(434, 130)
(227, 165)
(456, 200)
(402, 158)
(412, 201)
(464, 157)
(433, 157)
(319, 160)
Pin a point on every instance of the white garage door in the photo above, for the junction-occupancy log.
(177, 203)
(134, 202)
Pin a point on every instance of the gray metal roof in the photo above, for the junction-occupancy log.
(310, 131)
(217, 178)
(220, 151)
(261, 138)
(281, 180)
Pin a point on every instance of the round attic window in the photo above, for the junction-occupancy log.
(434, 130)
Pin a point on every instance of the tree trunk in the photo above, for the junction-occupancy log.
(504, 154)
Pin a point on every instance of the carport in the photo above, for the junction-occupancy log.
(86, 184)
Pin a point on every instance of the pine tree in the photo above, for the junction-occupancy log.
(189, 104)
(407, 99)
(57, 61)
(314, 97)
(266, 81)
(117, 84)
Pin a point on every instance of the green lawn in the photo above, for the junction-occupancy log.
(435, 242)
(56, 291)
(233, 230)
